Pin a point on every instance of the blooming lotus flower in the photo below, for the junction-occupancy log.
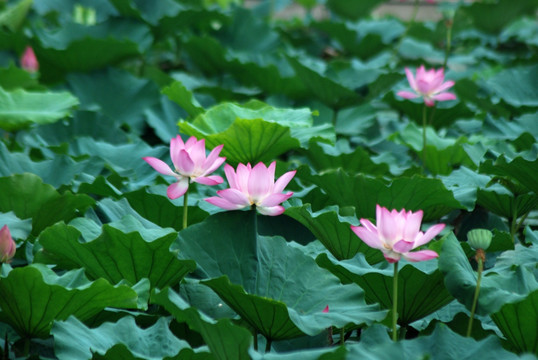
(429, 85)
(190, 163)
(397, 233)
(29, 61)
(7, 245)
(254, 186)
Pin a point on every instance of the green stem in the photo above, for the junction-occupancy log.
(448, 41)
(26, 350)
(343, 336)
(255, 339)
(186, 206)
(395, 302)
(335, 116)
(476, 292)
(424, 122)
(268, 346)
(514, 226)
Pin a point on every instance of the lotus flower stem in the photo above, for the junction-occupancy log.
(343, 336)
(186, 207)
(255, 339)
(268, 345)
(449, 23)
(480, 256)
(395, 302)
(424, 122)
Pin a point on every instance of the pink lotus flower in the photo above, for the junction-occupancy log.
(397, 233)
(29, 61)
(429, 85)
(190, 163)
(7, 245)
(326, 310)
(254, 187)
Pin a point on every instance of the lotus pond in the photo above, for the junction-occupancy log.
(188, 179)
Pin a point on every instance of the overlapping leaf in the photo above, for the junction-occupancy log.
(123, 337)
(334, 232)
(364, 193)
(420, 286)
(33, 296)
(28, 197)
(118, 254)
(496, 288)
(224, 339)
(273, 286)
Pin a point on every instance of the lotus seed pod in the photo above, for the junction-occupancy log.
(479, 238)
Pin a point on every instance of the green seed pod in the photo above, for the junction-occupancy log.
(479, 238)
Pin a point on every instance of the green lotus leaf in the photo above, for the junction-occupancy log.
(19, 108)
(250, 133)
(519, 169)
(123, 339)
(324, 157)
(272, 285)
(443, 343)
(353, 9)
(465, 184)
(500, 13)
(116, 254)
(420, 285)
(13, 16)
(178, 93)
(327, 90)
(28, 197)
(108, 91)
(362, 192)
(161, 211)
(79, 47)
(224, 339)
(32, 297)
(497, 287)
(443, 154)
(334, 232)
(517, 323)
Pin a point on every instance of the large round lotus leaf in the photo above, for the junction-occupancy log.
(273, 286)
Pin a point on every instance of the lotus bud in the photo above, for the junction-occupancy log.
(479, 238)
(29, 61)
(7, 245)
